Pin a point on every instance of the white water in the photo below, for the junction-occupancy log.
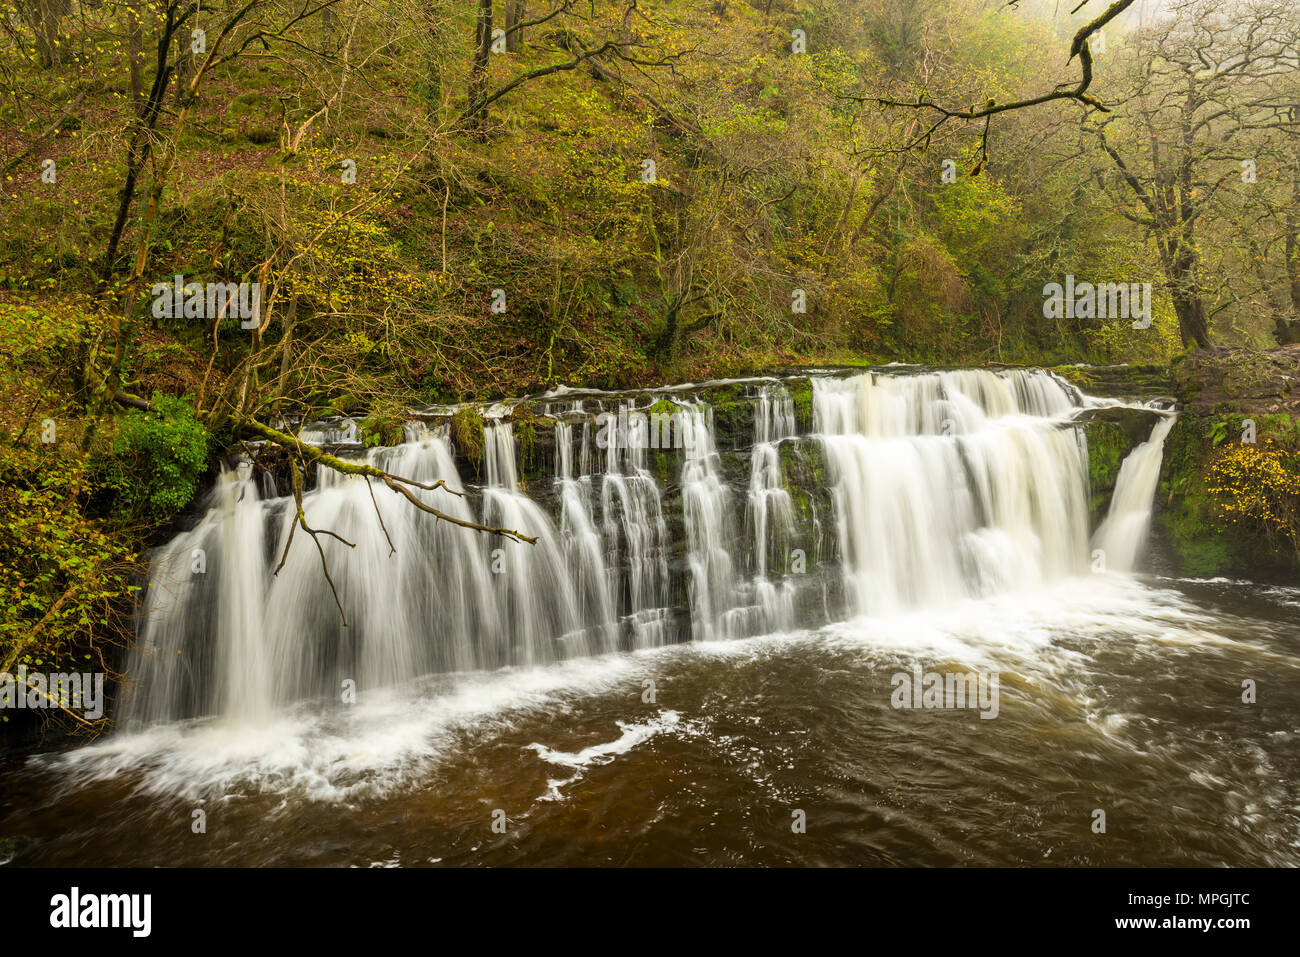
(771, 509)
(944, 487)
(1122, 535)
(952, 485)
(393, 738)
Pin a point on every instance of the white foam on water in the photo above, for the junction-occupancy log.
(633, 734)
(1018, 626)
(393, 738)
(387, 740)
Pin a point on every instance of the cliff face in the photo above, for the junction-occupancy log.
(1229, 496)
(1241, 381)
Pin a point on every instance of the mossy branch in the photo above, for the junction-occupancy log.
(398, 484)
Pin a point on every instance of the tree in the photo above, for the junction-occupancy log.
(45, 19)
(1195, 95)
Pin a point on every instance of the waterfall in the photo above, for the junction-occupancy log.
(770, 507)
(709, 533)
(636, 533)
(584, 546)
(1122, 535)
(927, 488)
(951, 485)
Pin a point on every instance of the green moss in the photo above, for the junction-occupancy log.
(526, 437)
(529, 428)
(467, 433)
(384, 427)
(1108, 446)
(732, 415)
(1204, 544)
(1184, 519)
(1080, 376)
(346, 404)
(1201, 553)
(664, 463)
(803, 465)
(1280, 427)
(801, 500)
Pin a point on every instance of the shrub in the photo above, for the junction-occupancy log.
(157, 460)
(64, 582)
(1258, 486)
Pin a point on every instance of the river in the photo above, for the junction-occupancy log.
(702, 668)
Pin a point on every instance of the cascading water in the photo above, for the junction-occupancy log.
(227, 629)
(583, 544)
(942, 486)
(1122, 534)
(706, 510)
(770, 507)
(635, 534)
(848, 528)
(951, 485)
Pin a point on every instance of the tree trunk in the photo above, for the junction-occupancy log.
(1192, 325)
(1182, 265)
(666, 347)
(514, 17)
(45, 17)
(135, 51)
(184, 66)
(1293, 246)
(479, 68)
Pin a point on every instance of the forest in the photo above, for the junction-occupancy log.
(223, 220)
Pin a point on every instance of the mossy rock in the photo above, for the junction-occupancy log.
(1108, 446)
(1111, 434)
(664, 407)
(535, 436)
(1084, 377)
(666, 465)
(467, 433)
(384, 427)
(733, 415)
(1203, 544)
(803, 463)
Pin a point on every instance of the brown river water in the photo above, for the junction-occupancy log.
(1114, 695)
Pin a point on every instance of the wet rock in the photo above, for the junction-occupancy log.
(1239, 380)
